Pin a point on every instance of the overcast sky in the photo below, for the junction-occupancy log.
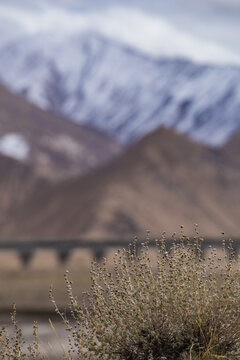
(204, 30)
(228, 3)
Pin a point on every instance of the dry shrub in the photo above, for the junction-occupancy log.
(183, 308)
(13, 347)
(186, 308)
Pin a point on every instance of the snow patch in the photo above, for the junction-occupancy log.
(14, 145)
(63, 143)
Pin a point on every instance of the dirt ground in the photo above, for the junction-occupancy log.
(28, 287)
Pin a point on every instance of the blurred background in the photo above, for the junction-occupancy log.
(116, 117)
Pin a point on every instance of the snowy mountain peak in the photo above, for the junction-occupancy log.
(113, 87)
(123, 69)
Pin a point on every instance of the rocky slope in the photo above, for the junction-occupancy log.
(232, 149)
(161, 182)
(17, 182)
(53, 146)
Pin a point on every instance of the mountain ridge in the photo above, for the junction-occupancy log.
(51, 145)
(123, 92)
(159, 183)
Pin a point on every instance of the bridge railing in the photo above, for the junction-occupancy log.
(26, 248)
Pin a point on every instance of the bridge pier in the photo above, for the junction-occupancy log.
(63, 255)
(98, 254)
(26, 256)
(63, 248)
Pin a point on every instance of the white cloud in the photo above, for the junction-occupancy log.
(153, 34)
(227, 3)
(157, 36)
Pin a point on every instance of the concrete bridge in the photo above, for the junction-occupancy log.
(26, 248)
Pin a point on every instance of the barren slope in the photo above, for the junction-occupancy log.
(16, 183)
(165, 180)
(232, 149)
(52, 145)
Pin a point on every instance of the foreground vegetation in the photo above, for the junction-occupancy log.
(179, 306)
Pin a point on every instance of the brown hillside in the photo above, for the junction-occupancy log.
(58, 147)
(232, 149)
(16, 183)
(163, 181)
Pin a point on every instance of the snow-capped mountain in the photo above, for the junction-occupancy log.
(122, 68)
(115, 88)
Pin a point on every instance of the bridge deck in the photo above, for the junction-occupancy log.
(63, 247)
